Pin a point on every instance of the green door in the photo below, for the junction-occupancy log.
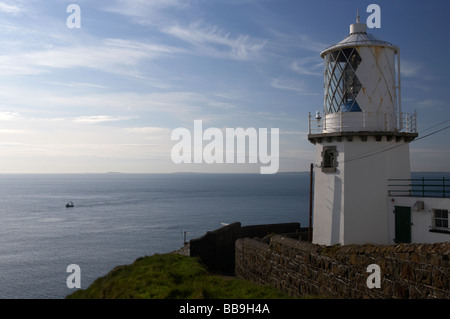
(402, 224)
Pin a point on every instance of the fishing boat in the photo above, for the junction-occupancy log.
(69, 204)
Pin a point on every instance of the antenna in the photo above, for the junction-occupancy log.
(357, 15)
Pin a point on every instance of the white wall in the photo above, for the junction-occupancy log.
(376, 73)
(350, 204)
(328, 199)
(421, 220)
(359, 121)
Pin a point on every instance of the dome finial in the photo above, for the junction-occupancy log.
(357, 27)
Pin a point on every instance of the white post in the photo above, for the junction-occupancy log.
(399, 92)
(309, 122)
(415, 121)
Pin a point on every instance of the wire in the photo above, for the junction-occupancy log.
(436, 125)
(373, 153)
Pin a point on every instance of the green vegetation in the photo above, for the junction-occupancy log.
(171, 276)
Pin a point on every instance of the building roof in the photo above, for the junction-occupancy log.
(358, 37)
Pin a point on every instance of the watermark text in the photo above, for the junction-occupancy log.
(374, 19)
(374, 279)
(74, 279)
(229, 148)
(74, 19)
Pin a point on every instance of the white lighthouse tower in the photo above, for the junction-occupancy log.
(362, 140)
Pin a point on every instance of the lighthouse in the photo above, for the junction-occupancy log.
(361, 138)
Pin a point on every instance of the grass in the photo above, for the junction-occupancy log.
(171, 276)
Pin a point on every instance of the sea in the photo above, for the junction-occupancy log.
(118, 218)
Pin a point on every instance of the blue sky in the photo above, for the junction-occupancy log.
(107, 96)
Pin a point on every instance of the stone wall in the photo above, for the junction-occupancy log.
(217, 248)
(300, 268)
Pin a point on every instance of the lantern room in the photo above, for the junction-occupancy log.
(361, 84)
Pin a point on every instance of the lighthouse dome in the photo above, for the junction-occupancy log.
(358, 37)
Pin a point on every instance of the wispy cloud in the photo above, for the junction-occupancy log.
(13, 132)
(85, 85)
(281, 42)
(111, 55)
(101, 119)
(9, 8)
(157, 135)
(409, 69)
(146, 12)
(292, 85)
(105, 106)
(308, 66)
(9, 116)
(205, 39)
(143, 7)
(214, 41)
(307, 43)
(147, 130)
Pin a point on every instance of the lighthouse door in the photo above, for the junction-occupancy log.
(402, 224)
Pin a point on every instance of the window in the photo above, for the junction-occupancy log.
(440, 220)
(341, 83)
(329, 159)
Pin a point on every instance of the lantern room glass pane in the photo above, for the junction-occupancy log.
(341, 83)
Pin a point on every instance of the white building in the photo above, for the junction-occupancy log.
(362, 144)
(419, 210)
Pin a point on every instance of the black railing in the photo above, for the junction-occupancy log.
(420, 187)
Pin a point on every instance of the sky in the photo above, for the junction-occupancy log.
(107, 96)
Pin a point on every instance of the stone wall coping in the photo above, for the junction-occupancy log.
(441, 248)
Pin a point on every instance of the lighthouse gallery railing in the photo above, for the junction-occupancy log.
(407, 122)
(420, 187)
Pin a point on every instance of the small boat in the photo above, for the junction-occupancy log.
(69, 204)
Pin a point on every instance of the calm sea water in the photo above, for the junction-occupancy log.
(118, 218)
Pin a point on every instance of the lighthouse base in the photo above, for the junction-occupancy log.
(351, 187)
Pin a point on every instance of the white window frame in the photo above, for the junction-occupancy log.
(443, 222)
